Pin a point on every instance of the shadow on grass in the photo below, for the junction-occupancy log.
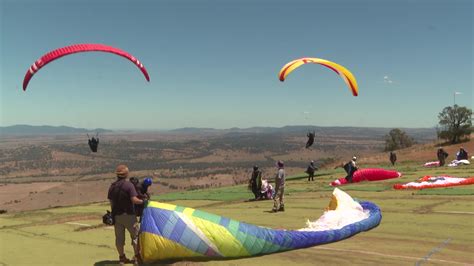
(186, 261)
(107, 262)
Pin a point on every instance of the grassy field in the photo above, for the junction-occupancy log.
(429, 227)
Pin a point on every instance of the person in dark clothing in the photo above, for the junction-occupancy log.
(255, 182)
(147, 182)
(350, 168)
(462, 154)
(310, 171)
(442, 155)
(393, 157)
(310, 141)
(142, 191)
(122, 196)
(94, 143)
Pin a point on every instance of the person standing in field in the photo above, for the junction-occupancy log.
(393, 157)
(255, 182)
(278, 203)
(310, 171)
(122, 196)
(442, 155)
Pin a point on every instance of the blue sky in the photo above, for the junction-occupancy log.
(216, 63)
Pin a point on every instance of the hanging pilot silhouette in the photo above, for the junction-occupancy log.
(94, 142)
(310, 141)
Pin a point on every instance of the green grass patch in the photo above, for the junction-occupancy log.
(217, 194)
(446, 191)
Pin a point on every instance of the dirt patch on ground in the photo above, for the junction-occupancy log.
(34, 196)
(429, 208)
(16, 192)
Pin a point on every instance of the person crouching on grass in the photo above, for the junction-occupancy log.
(122, 196)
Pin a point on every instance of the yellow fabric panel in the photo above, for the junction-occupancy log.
(225, 242)
(288, 68)
(161, 205)
(152, 247)
(188, 212)
(332, 204)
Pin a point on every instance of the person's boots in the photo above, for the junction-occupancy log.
(282, 208)
(274, 209)
(124, 260)
(138, 259)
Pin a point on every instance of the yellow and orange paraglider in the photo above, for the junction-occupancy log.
(346, 75)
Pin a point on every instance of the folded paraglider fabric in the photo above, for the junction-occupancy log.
(436, 182)
(174, 232)
(368, 174)
(431, 164)
(459, 162)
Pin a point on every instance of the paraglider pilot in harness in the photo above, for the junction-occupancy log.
(94, 142)
(350, 169)
(310, 141)
(142, 191)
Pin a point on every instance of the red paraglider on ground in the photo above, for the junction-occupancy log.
(369, 174)
(79, 48)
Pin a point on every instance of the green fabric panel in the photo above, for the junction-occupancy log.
(207, 216)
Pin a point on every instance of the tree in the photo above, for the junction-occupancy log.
(397, 139)
(455, 123)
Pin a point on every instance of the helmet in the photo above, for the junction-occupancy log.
(147, 182)
(121, 170)
(280, 163)
(354, 158)
(255, 167)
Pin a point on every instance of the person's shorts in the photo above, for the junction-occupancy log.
(122, 222)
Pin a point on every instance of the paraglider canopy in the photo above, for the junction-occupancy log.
(345, 74)
(79, 48)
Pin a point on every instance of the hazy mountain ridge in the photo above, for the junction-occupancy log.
(46, 130)
(419, 134)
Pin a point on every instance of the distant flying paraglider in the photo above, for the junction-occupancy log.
(310, 141)
(94, 142)
(345, 74)
(79, 48)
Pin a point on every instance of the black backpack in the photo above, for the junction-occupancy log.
(108, 218)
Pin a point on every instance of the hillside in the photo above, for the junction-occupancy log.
(420, 153)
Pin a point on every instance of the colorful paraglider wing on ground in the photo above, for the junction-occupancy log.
(431, 164)
(368, 174)
(172, 232)
(345, 74)
(79, 48)
(436, 182)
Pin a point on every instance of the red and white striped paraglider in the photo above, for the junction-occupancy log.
(79, 48)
